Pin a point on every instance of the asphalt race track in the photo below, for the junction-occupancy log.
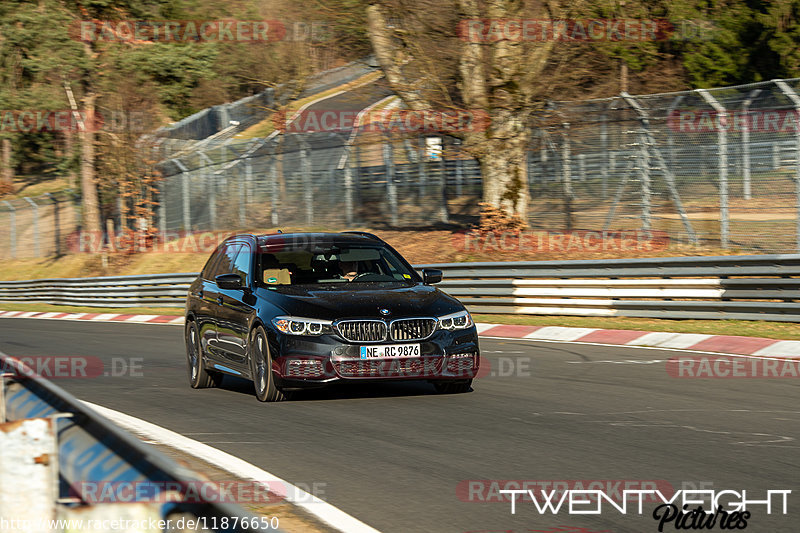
(396, 456)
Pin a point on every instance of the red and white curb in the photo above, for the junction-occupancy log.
(728, 344)
(96, 317)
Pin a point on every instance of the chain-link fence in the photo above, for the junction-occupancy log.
(40, 226)
(717, 167)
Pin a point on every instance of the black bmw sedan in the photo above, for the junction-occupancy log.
(302, 310)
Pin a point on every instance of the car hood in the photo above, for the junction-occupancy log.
(331, 302)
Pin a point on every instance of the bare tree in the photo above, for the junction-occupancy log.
(445, 55)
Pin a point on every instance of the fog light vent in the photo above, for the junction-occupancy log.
(303, 368)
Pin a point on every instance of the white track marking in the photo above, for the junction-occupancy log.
(326, 512)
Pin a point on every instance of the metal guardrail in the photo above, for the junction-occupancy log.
(83, 447)
(756, 287)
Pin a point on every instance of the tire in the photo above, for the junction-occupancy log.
(452, 387)
(199, 376)
(261, 367)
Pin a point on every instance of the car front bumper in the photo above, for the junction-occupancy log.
(313, 361)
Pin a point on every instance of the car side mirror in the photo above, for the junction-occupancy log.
(229, 281)
(431, 275)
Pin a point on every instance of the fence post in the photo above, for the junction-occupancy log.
(722, 165)
(445, 212)
(606, 154)
(35, 224)
(644, 176)
(211, 190)
(273, 189)
(242, 205)
(746, 143)
(186, 214)
(566, 178)
(308, 191)
(789, 92)
(421, 170)
(776, 156)
(670, 138)
(391, 187)
(348, 192)
(12, 215)
(56, 224)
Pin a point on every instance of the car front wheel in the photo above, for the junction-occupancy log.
(261, 368)
(199, 377)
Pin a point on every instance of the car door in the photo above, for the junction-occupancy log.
(234, 313)
(212, 296)
(205, 293)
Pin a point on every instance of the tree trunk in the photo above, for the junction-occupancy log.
(91, 206)
(7, 173)
(504, 174)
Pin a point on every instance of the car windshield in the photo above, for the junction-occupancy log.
(315, 264)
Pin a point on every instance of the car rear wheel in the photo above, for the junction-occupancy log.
(199, 376)
(452, 387)
(261, 368)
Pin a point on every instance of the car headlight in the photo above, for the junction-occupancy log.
(293, 325)
(460, 320)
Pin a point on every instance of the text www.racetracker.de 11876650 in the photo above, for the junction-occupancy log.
(201, 523)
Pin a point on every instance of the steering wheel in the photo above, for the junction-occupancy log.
(370, 276)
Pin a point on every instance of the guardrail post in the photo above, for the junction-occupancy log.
(28, 455)
(12, 236)
(391, 187)
(746, 143)
(789, 92)
(35, 225)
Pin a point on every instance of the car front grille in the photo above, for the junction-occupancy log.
(411, 329)
(390, 368)
(362, 330)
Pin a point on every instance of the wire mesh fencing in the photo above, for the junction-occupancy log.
(717, 167)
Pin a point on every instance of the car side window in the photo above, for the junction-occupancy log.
(241, 265)
(225, 263)
(211, 264)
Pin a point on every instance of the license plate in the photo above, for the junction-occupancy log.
(390, 350)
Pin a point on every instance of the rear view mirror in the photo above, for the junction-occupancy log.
(229, 281)
(431, 275)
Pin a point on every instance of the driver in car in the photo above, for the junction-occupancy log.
(348, 269)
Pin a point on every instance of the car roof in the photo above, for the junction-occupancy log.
(317, 238)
